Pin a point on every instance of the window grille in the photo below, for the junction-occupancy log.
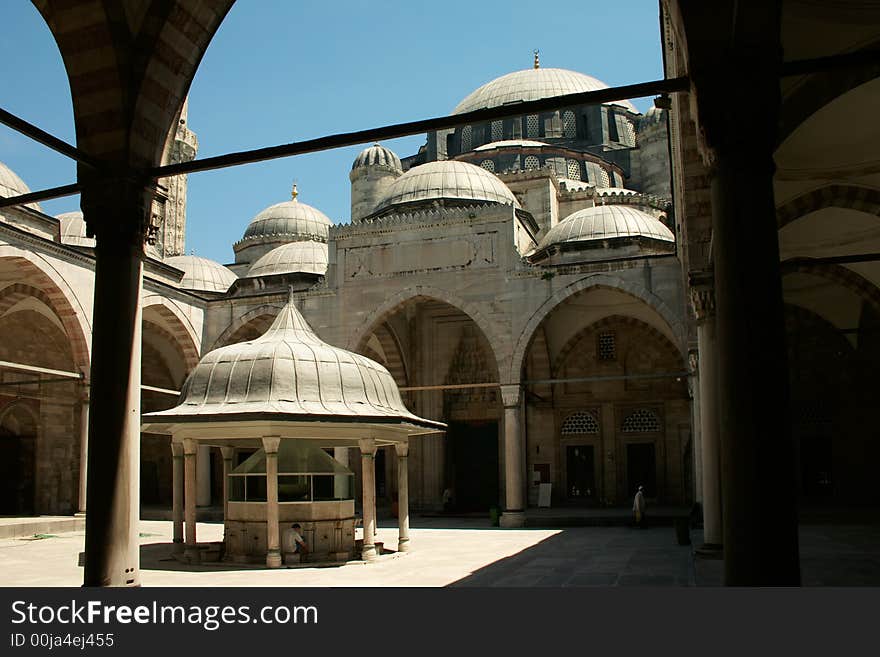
(532, 125)
(644, 420)
(580, 422)
(532, 162)
(488, 165)
(569, 126)
(466, 138)
(606, 346)
(497, 130)
(574, 169)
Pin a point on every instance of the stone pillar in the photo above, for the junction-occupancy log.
(514, 460)
(757, 451)
(203, 476)
(697, 435)
(227, 454)
(273, 532)
(118, 214)
(342, 483)
(190, 449)
(402, 496)
(83, 449)
(703, 301)
(177, 485)
(368, 480)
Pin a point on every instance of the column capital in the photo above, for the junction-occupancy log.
(368, 446)
(190, 447)
(701, 286)
(271, 443)
(694, 361)
(176, 448)
(227, 453)
(104, 198)
(402, 449)
(510, 395)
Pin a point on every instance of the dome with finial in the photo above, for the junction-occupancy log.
(606, 222)
(289, 373)
(11, 185)
(377, 155)
(202, 274)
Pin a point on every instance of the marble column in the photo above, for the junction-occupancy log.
(227, 453)
(177, 484)
(342, 483)
(190, 451)
(273, 532)
(83, 448)
(696, 437)
(759, 493)
(118, 214)
(368, 480)
(703, 301)
(514, 459)
(402, 450)
(203, 476)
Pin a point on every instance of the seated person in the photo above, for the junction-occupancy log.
(299, 543)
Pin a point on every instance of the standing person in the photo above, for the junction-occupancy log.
(299, 543)
(639, 507)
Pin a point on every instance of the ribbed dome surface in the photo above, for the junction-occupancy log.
(532, 84)
(447, 179)
(289, 371)
(202, 274)
(12, 185)
(377, 155)
(297, 257)
(604, 222)
(511, 143)
(73, 229)
(290, 220)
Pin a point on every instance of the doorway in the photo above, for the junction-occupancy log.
(473, 465)
(641, 468)
(17, 467)
(580, 473)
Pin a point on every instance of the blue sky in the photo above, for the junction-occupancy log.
(280, 71)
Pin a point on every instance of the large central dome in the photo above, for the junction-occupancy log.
(532, 84)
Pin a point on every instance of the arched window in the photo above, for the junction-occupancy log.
(569, 126)
(497, 130)
(574, 169)
(532, 162)
(580, 422)
(466, 138)
(644, 420)
(532, 125)
(488, 165)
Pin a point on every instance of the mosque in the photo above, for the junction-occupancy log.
(517, 278)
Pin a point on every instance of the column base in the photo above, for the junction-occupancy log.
(178, 546)
(273, 559)
(403, 545)
(191, 554)
(512, 519)
(368, 553)
(79, 514)
(710, 550)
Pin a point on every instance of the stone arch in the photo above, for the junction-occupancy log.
(177, 324)
(267, 310)
(851, 197)
(514, 372)
(425, 291)
(843, 276)
(394, 360)
(47, 285)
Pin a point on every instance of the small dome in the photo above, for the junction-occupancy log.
(510, 143)
(290, 221)
(377, 155)
(447, 180)
(73, 229)
(653, 118)
(295, 258)
(532, 84)
(604, 222)
(289, 373)
(202, 274)
(11, 185)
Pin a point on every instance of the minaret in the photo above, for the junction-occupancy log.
(172, 233)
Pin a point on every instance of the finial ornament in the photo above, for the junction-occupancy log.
(293, 192)
(537, 59)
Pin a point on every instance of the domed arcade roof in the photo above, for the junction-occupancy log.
(377, 155)
(532, 84)
(289, 373)
(449, 180)
(202, 274)
(306, 257)
(11, 185)
(604, 222)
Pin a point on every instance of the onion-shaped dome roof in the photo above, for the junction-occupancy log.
(532, 84)
(510, 143)
(73, 229)
(448, 180)
(604, 222)
(288, 221)
(377, 155)
(289, 373)
(202, 274)
(11, 185)
(293, 258)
